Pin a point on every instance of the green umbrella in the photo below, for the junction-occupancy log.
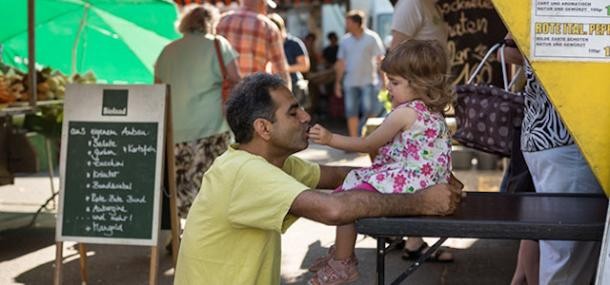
(118, 40)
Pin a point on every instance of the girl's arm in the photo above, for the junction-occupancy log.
(398, 121)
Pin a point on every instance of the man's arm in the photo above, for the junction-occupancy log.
(397, 37)
(332, 177)
(339, 70)
(302, 64)
(346, 207)
(279, 65)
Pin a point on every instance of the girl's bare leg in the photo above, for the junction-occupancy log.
(345, 241)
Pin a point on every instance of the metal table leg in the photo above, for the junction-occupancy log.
(380, 260)
(419, 261)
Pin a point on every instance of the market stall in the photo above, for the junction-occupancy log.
(75, 42)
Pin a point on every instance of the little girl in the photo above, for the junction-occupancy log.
(413, 143)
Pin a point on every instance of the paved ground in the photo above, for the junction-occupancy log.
(27, 253)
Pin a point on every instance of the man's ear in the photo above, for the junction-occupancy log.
(262, 128)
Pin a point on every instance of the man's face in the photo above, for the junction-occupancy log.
(289, 131)
(350, 25)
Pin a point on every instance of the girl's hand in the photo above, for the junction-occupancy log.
(319, 134)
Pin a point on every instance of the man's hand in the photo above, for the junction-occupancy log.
(441, 199)
(456, 183)
(338, 90)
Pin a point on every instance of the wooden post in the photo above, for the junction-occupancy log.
(82, 252)
(171, 177)
(49, 151)
(154, 265)
(59, 247)
(32, 52)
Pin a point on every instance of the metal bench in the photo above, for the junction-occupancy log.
(496, 216)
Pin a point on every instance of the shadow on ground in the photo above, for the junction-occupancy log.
(18, 242)
(106, 264)
(484, 262)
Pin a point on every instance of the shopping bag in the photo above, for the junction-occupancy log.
(487, 115)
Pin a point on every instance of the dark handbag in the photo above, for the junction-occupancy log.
(227, 85)
(487, 115)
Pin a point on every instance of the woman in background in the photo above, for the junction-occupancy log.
(191, 68)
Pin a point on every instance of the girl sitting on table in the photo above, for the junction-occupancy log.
(413, 143)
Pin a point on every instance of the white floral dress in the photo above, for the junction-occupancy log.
(415, 159)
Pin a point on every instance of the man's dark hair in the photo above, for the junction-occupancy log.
(332, 36)
(250, 100)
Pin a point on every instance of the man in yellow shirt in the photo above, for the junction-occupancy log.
(257, 189)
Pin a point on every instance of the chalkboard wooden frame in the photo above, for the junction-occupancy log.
(88, 105)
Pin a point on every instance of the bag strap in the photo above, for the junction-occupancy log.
(223, 69)
(480, 66)
(500, 46)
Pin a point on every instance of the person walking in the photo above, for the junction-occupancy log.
(356, 71)
(298, 61)
(190, 67)
(420, 20)
(256, 39)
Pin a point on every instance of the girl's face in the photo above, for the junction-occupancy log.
(400, 90)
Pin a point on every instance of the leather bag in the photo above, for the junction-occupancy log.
(227, 85)
(486, 115)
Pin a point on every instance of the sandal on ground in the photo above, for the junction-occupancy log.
(336, 272)
(434, 257)
(323, 260)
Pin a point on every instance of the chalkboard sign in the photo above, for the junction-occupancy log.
(111, 164)
(474, 28)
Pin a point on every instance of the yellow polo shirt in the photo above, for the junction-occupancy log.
(232, 232)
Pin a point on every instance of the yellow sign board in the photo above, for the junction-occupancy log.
(576, 80)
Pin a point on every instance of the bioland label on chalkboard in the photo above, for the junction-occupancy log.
(111, 164)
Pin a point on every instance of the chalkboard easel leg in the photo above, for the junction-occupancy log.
(59, 256)
(47, 143)
(82, 251)
(154, 265)
(170, 169)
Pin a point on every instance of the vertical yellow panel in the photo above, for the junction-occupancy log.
(579, 90)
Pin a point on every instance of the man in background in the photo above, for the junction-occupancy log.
(257, 40)
(356, 70)
(298, 61)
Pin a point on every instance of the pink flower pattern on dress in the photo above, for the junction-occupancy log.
(380, 177)
(426, 169)
(415, 159)
(399, 183)
(430, 133)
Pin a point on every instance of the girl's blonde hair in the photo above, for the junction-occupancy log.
(425, 65)
(198, 18)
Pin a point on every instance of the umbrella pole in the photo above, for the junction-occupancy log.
(83, 21)
(32, 52)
